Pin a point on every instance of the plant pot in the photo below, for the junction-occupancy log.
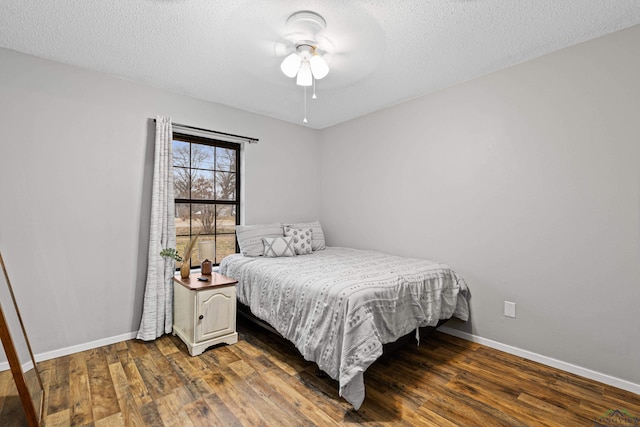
(184, 270)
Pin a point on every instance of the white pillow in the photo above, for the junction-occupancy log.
(250, 237)
(278, 246)
(317, 240)
(301, 239)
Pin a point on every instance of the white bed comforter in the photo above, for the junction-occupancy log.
(339, 306)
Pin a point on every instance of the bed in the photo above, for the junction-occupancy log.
(339, 306)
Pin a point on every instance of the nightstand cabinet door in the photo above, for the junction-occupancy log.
(215, 313)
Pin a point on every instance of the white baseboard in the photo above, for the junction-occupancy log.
(548, 361)
(77, 348)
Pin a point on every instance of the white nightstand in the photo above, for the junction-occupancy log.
(204, 313)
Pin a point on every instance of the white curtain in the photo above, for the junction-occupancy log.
(157, 312)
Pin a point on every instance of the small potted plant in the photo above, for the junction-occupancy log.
(171, 253)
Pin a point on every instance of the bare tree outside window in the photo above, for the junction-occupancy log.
(206, 192)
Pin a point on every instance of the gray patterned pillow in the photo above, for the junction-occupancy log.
(302, 238)
(317, 240)
(278, 247)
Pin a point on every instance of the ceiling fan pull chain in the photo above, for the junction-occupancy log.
(305, 105)
(314, 89)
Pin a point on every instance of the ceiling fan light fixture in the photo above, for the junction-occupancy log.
(305, 63)
(305, 77)
(319, 66)
(291, 64)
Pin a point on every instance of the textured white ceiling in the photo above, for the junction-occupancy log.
(381, 52)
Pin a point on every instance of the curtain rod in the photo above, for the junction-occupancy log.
(248, 138)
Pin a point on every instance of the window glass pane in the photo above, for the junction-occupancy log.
(181, 182)
(202, 185)
(197, 258)
(181, 243)
(225, 159)
(225, 185)
(181, 153)
(226, 219)
(203, 218)
(225, 245)
(183, 218)
(226, 229)
(202, 156)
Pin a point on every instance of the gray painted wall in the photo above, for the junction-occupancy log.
(76, 164)
(527, 182)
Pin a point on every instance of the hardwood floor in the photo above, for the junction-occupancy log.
(262, 380)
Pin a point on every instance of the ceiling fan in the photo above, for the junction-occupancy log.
(306, 63)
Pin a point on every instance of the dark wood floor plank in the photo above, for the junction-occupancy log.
(103, 394)
(435, 360)
(114, 420)
(455, 409)
(630, 399)
(58, 419)
(131, 415)
(410, 380)
(58, 386)
(630, 402)
(137, 387)
(498, 401)
(533, 386)
(137, 348)
(280, 351)
(306, 406)
(220, 356)
(326, 395)
(201, 415)
(594, 409)
(322, 391)
(259, 401)
(161, 364)
(7, 388)
(382, 408)
(222, 411)
(568, 418)
(242, 408)
(285, 405)
(79, 392)
(428, 418)
(149, 415)
(167, 347)
(255, 366)
(172, 412)
(154, 378)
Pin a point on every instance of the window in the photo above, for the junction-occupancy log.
(206, 176)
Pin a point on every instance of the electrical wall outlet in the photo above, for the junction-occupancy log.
(510, 309)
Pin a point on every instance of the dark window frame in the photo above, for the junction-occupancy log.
(213, 142)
